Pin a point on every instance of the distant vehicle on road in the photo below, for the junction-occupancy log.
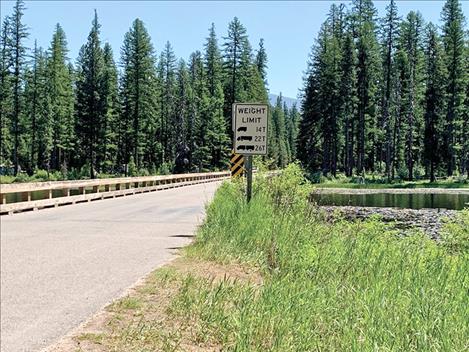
(245, 138)
(242, 129)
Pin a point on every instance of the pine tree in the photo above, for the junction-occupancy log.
(453, 39)
(6, 90)
(107, 155)
(217, 138)
(292, 136)
(89, 105)
(278, 120)
(310, 133)
(167, 73)
(273, 148)
(201, 155)
(213, 62)
(142, 129)
(367, 70)
(184, 98)
(286, 114)
(261, 61)
(18, 35)
(434, 101)
(234, 47)
(465, 118)
(37, 108)
(348, 102)
(60, 91)
(390, 33)
(399, 112)
(329, 92)
(411, 44)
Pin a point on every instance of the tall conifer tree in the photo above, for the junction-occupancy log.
(60, 91)
(453, 39)
(217, 138)
(18, 51)
(6, 90)
(140, 116)
(389, 35)
(434, 101)
(89, 99)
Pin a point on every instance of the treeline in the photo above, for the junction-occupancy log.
(142, 115)
(387, 95)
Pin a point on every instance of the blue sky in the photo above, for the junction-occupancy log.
(288, 28)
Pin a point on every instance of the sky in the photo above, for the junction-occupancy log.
(289, 28)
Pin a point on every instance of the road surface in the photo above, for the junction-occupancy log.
(59, 266)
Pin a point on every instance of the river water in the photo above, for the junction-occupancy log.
(400, 200)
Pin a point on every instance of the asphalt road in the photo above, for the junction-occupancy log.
(59, 266)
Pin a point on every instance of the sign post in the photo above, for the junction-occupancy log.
(249, 178)
(250, 128)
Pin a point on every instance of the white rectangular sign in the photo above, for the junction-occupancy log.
(250, 128)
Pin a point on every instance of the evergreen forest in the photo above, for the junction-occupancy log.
(388, 96)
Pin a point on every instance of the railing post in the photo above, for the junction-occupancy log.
(50, 194)
(29, 196)
(4, 199)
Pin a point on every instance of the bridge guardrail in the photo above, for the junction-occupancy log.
(97, 189)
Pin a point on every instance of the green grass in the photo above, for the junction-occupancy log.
(340, 286)
(326, 285)
(403, 185)
(126, 303)
(378, 183)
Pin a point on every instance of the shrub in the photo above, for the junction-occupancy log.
(165, 169)
(455, 233)
(41, 175)
(22, 177)
(132, 168)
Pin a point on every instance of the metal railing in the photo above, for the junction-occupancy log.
(57, 193)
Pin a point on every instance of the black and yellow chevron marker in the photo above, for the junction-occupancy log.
(236, 165)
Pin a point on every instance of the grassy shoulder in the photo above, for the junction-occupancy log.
(275, 275)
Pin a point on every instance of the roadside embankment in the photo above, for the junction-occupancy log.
(279, 275)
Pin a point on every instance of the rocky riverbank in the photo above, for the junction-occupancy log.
(428, 220)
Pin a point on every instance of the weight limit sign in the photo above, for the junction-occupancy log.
(250, 128)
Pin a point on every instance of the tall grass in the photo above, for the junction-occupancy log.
(329, 285)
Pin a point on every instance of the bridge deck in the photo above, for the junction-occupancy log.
(60, 265)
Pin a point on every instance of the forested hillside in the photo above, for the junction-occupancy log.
(147, 113)
(387, 95)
